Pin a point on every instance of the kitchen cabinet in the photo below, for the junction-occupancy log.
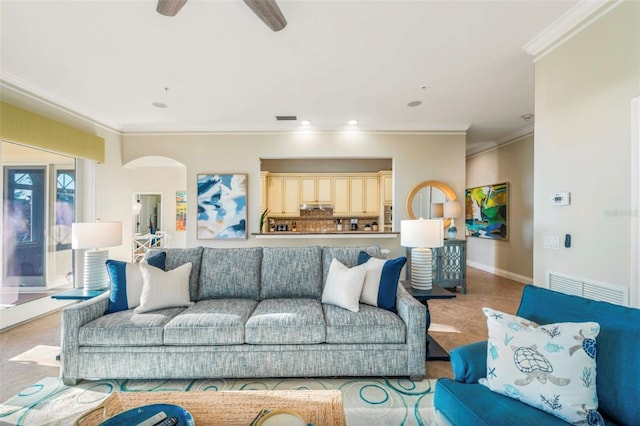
(364, 195)
(341, 196)
(263, 191)
(315, 189)
(386, 187)
(283, 195)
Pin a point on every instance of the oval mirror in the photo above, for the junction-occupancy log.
(427, 198)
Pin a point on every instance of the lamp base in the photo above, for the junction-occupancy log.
(453, 231)
(421, 269)
(95, 272)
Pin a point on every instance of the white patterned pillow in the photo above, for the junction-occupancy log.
(551, 367)
(344, 285)
(162, 289)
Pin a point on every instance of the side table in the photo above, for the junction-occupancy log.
(435, 352)
(76, 294)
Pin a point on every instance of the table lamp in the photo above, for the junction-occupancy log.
(421, 235)
(452, 209)
(95, 236)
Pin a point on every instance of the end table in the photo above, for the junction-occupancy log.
(435, 352)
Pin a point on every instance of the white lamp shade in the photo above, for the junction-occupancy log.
(452, 209)
(421, 233)
(91, 235)
(436, 209)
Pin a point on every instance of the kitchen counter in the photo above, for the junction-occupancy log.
(328, 234)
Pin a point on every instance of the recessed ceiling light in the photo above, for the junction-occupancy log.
(305, 122)
(159, 105)
(352, 122)
(414, 103)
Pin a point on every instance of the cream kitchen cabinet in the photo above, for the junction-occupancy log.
(283, 195)
(315, 189)
(341, 198)
(263, 191)
(364, 195)
(386, 187)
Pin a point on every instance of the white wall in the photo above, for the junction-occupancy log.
(583, 92)
(116, 184)
(417, 157)
(512, 163)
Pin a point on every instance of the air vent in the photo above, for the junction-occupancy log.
(591, 290)
(286, 117)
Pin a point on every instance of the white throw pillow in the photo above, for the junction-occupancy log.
(551, 367)
(344, 285)
(162, 289)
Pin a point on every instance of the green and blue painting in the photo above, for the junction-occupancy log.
(486, 208)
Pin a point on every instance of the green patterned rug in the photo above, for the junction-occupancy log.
(367, 401)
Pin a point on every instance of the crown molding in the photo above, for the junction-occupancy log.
(514, 137)
(579, 17)
(293, 131)
(29, 92)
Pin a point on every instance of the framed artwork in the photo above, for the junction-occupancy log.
(181, 210)
(222, 206)
(487, 207)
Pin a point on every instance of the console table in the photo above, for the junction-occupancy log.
(450, 264)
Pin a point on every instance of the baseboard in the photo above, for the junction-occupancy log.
(500, 272)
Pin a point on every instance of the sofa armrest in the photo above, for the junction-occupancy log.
(469, 362)
(74, 317)
(414, 315)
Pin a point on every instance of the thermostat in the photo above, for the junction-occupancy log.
(561, 198)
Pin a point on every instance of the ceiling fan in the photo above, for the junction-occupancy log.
(267, 10)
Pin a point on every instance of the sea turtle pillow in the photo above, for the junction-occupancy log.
(551, 367)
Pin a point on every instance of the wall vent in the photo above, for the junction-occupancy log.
(286, 117)
(592, 290)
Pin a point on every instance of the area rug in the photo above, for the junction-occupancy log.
(367, 401)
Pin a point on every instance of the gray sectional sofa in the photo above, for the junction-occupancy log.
(257, 313)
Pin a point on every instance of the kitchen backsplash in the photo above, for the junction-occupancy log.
(318, 221)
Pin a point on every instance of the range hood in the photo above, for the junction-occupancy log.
(316, 207)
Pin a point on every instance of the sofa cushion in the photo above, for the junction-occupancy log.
(210, 322)
(126, 328)
(230, 273)
(348, 256)
(344, 286)
(474, 404)
(369, 325)
(286, 321)
(126, 282)
(179, 256)
(617, 344)
(381, 281)
(291, 272)
(552, 368)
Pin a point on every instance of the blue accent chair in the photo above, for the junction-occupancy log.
(465, 402)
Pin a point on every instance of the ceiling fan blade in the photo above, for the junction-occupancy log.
(169, 7)
(269, 12)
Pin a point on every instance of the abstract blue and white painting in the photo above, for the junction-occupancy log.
(222, 206)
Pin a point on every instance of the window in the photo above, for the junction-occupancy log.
(64, 209)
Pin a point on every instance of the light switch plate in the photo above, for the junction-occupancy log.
(551, 242)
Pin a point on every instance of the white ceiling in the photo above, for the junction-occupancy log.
(108, 60)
